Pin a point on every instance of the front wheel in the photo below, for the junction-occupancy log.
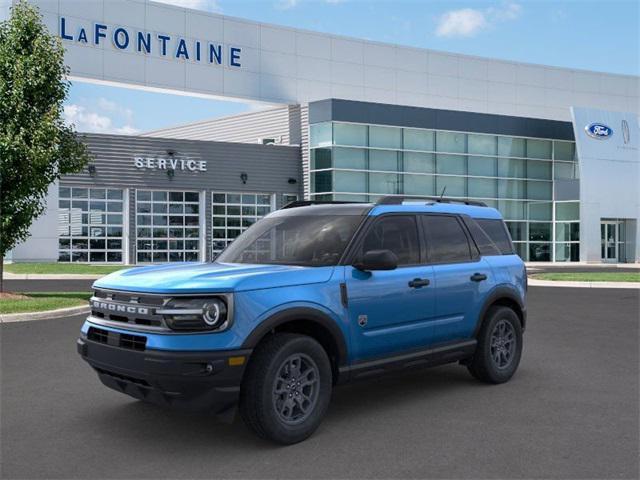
(286, 389)
(499, 346)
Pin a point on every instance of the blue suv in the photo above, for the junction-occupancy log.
(313, 295)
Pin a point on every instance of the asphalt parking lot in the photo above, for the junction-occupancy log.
(570, 412)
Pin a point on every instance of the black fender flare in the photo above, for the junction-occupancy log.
(499, 293)
(300, 313)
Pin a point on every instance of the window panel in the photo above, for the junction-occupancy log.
(350, 158)
(565, 171)
(483, 166)
(385, 137)
(451, 186)
(564, 150)
(350, 182)
(383, 160)
(512, 168)
(539, 169)
(419, 185)
(539, 190)
(539, 232)
(567, 252)
(383, 183)
(511, 189)
(539, 211)
(483, 144)
(347, 134)
(320, 134)
(418, 162)
(567, 232)
(539, 148)
(567, 211)
(511, 147)
(483, 187)
(320, 159)
(451, 142)
(539, 252)
(451, 164)
(321, 181)
(415, 139)
(512, 210)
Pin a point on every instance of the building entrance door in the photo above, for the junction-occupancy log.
(609, 232)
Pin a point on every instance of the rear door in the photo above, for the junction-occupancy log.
(462, 277)
(390, 311)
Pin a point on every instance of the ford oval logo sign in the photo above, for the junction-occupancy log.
(599, 131)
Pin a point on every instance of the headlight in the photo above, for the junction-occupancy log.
(196, 313)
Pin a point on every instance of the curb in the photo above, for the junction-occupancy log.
(51, 276)
(553, 283)
(49, 314)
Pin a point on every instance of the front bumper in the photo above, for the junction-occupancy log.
(202, 380)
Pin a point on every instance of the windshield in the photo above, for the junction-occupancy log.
(315, 240)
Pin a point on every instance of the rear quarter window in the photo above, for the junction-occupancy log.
(496, 230)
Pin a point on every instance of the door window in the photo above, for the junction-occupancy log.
(398, 233)
(446, 240)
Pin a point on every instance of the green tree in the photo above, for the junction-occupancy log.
(36, 147)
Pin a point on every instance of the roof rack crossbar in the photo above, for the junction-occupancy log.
(306, 203)
(399, 199)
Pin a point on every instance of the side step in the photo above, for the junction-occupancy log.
(423, 358)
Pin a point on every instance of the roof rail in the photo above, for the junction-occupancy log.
(306, 203)
(399, 199)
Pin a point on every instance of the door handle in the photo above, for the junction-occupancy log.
(419, 282)
(478, 277)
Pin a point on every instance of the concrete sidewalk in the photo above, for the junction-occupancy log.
(533, 282)
(52, 276)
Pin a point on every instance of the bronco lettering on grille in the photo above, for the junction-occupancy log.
(118, 307)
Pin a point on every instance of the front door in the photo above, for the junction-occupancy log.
(390, 311)
(609, 241)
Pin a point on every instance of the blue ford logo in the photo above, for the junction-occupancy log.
(599, 131)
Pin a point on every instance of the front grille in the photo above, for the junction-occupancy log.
(115, 339)
(134, 309)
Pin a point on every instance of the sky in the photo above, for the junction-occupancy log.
(600, 35)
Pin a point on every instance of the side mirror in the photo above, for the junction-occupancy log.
(377, 260)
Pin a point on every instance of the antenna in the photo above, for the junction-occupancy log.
(444, 189)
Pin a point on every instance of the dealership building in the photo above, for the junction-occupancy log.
(556, 150)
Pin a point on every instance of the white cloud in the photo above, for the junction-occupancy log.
(467, 22)
(208, 5)
(86, 120)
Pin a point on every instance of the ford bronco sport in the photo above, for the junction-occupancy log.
(313, 295)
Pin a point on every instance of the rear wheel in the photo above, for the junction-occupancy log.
(286, 389)
(499, 346)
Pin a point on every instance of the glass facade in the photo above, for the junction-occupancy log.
(167, 226)
(233, 213)
(513, 174)
(90, 225)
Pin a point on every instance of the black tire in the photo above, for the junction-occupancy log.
(272, 415)
(495, 360)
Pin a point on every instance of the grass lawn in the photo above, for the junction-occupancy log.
(52, 268)
(39, 302)
(589, 276)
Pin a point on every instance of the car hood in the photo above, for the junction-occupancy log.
(211, 277)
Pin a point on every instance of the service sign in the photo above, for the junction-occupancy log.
(171, 163)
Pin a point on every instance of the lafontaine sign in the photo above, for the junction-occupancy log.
(146, 43)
